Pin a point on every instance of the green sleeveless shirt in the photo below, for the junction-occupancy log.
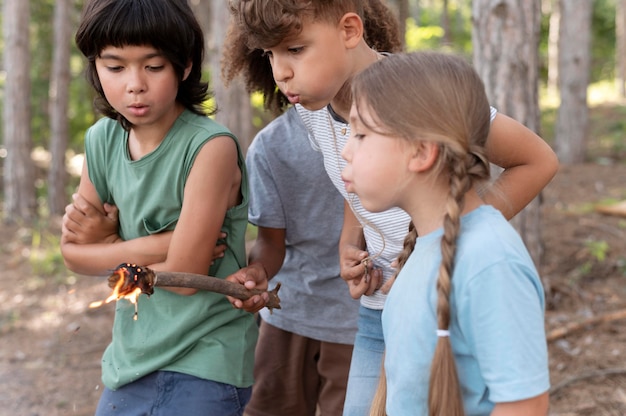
(201, 335)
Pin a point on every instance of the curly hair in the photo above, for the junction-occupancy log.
(257, 24)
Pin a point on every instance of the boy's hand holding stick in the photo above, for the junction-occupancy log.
(132, 280)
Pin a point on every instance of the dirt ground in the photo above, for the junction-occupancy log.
(51, 342)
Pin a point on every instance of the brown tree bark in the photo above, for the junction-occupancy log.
(234, 106)
(572, 123)
(553, 47)
(202, 10)
(445, 23)
(620, 49)
(19, 171)
(59, 101)
(403, 15)
(506, 38)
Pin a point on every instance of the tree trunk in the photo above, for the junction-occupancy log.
(574, 65)
(59, 101)
(234, 107)
(19, 171)
(202, 10)
(506, 38)
(445, 23)
(403, 15)
(620, 49)
(553, 47)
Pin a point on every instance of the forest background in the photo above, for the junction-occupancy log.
(559, 68)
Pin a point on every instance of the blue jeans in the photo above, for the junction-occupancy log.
(166, 393)
(367, 359)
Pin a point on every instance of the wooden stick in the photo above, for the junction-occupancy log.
(575, 326)
(127, 278)
(214, 284)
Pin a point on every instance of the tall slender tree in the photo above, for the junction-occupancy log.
(59, 100)
(19, 171)
(234, 106)
(505, 39)
(572, 122)
(620, 50)
(202, 9)
(403, 12)
(445, 22)
(553, 46)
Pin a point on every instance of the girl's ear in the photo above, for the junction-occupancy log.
(425, 155)
(352, 27)
(187, 70)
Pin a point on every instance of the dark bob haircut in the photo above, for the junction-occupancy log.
(167, 25)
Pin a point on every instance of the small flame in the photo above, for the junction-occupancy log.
(130, 294)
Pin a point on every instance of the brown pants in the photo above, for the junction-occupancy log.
(295, 375)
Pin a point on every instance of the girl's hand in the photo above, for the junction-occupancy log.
(386, 287)
(358, 271)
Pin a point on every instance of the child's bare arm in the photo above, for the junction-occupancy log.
(212, 187)
(90, 251)
(83, 223)
(528, 161)
(206, 190)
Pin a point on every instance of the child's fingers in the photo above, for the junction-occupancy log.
(375, 277)
(386, 287)
(353, 270)
(357, 288)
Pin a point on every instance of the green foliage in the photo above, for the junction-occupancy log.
(598, 251)
(607, 121)
(251, 232)
(603, 40)
(429, 34)
(45, 253)
(81, 113)
(422, 37)
(543, 46)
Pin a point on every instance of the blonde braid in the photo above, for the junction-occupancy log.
(380, 398)
(444, 396)
(409, 245)
(378, 407)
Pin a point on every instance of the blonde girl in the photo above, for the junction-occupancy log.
(463, 322)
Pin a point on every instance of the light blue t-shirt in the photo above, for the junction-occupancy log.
(497, 319)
